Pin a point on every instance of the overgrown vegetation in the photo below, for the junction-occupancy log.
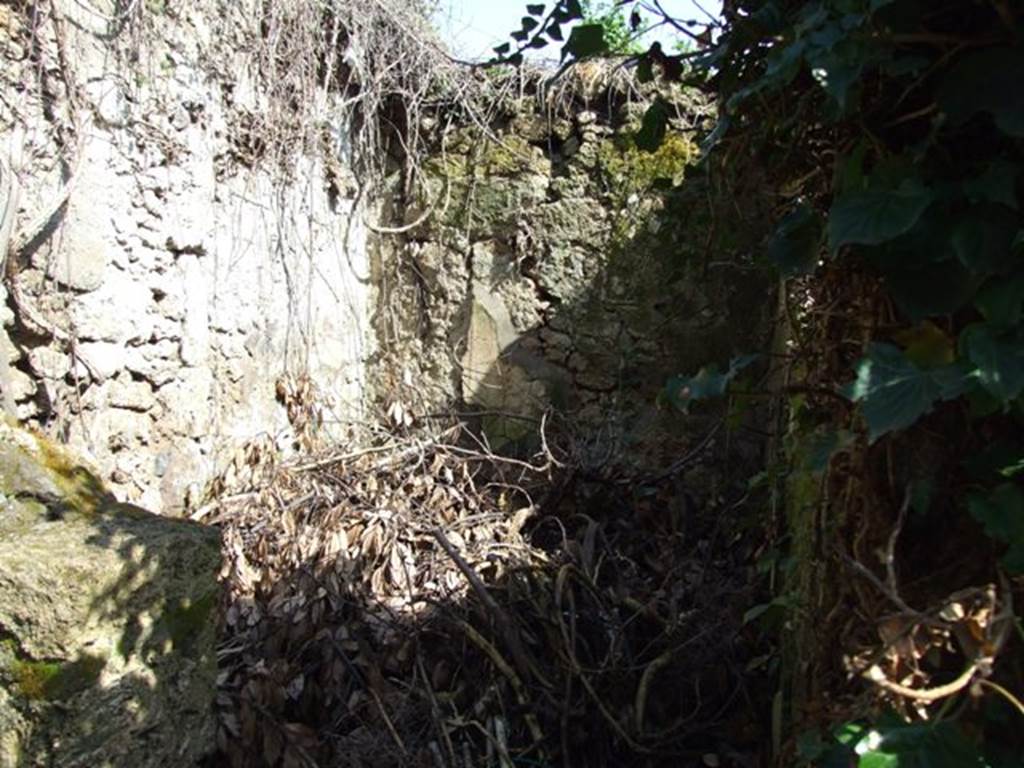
(428, 602)
(884, 137)
(887, 136)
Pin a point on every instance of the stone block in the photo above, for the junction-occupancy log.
(117, 311)
(156, 363)
(108, 611)
(103, 359)
(82, 261)
(187, 402)
(131, 395)
(49, 363)
(22, 385)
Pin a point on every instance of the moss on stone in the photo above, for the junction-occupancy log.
(631, 170)
(512, 156)
(55, 681)
(32, 464)
(186, 620)
(83, 491)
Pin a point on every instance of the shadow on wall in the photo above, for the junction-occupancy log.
(107, 620)
(435, 604)
(569, 273)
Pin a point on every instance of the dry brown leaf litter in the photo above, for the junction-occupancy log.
(425, 602)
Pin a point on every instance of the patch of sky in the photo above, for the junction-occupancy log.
(472, 28)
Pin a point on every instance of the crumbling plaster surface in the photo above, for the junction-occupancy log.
(187, 271)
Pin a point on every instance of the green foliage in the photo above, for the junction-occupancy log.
(707, 384)
(874, 216)
(895, 392)
(600, 28)
(982, 81)
(937, 242)
(902, 124)
(1001, 511)
(538, 31)
(794, 247)
(585, 40)
(932, 207)
(893, 744)
(654, 126)
(618, 36)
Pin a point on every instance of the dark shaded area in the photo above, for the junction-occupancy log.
(576, 597)
(414, 608)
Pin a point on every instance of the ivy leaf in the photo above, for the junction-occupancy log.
(554, 31)
(821, 446)
(926, 345)
(1000, 301)
(535, 9)
(879, 760)
(708, 383)
(937, 289)
(502, 49)
(1001, 460)
(1000, 360)
(529, 23)
(850, 170)
(981, 82)
(1001, 512)
(794, 246)
(894, 392)
(520, 35)
(782, 67)
(653, 126)
(927, 745)
(998, 184)
(585, 40)
(871, 217)
(837, 73)
(983, 238)
(645, 70)
(573, 9)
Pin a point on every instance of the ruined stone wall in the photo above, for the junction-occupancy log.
(165, 268)
(557, 271)
(170, 261)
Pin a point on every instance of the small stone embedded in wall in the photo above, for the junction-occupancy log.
(22, 386)
(187, 398)
(49, 363)
(117, 311)
(157, 363)
(103, 359)
(131, 395)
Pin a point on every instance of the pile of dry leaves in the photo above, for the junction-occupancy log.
(425, 602)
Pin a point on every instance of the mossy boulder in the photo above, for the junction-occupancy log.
(107, 620)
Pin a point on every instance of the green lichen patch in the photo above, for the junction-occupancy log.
(185, 621)
(630, 170)
(33, 467)
(83, 491)
(509, 156)
(56, 681)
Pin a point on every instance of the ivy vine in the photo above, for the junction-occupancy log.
(893, 132)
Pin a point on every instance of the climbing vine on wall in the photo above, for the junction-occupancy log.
(889, 135)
